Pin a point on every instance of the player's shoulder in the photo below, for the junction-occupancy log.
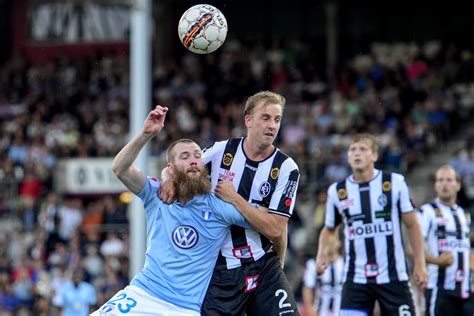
(217, 204)
(154, 182)
(428, 206)
(287, 160)
(396, 177)
(220, 145)
(333, 188)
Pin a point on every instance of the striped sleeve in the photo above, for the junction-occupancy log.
(213, 152)
(425, 215)
(284, 197)
(332, 217)
(404, 197)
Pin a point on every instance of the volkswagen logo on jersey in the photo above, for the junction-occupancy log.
(264, 189)
(185, 237)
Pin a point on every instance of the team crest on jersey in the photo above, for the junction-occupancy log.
(264, 189)
(227, 160)
(185, 237)
(386, 186)
(438, 212)
(342, 194)
(275, 173)
(383, 200)
(206, 214)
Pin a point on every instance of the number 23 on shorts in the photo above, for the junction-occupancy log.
(122, 302)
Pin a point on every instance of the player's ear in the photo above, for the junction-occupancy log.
(458, 186)
(247, 120)
(170, 168)
(376, 157)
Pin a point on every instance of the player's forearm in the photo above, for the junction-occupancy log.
(323, 237)
(280, 244)
(308, 299)
(125, 158)
(260, 219)
(432, 259)
(417, 243)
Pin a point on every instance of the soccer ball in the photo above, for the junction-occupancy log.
(202, 29)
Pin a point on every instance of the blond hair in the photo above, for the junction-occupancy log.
(267, 96)
(366, 137)
(449, 167)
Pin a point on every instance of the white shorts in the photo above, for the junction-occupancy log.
(132, 300)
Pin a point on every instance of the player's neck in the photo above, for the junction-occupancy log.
(448, 202)
(363, 175)
(256, 152)
(184, 201)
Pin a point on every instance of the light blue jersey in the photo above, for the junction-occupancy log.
(182, 245)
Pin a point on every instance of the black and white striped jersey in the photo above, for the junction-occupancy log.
(372, 226)
(271, 183)
(446, 228)
(328, 286)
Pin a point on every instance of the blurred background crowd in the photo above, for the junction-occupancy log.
(415, 96)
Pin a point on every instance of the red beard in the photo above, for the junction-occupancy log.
(187, 186)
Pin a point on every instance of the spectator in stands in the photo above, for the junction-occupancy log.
(70, 218)
(76, 298)
(112, 246)
(9, 302)
(93, 263)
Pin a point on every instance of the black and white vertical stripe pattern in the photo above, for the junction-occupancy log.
(372, 215)
(271, 183)
(328, 286)
(447, 228)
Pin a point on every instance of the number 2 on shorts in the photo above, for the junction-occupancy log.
(282, 303)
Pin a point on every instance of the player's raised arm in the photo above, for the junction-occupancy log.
(133, 178)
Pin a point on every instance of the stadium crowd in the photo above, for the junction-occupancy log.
(413, 97)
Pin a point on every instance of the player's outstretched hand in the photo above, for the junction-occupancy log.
(155, 120)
